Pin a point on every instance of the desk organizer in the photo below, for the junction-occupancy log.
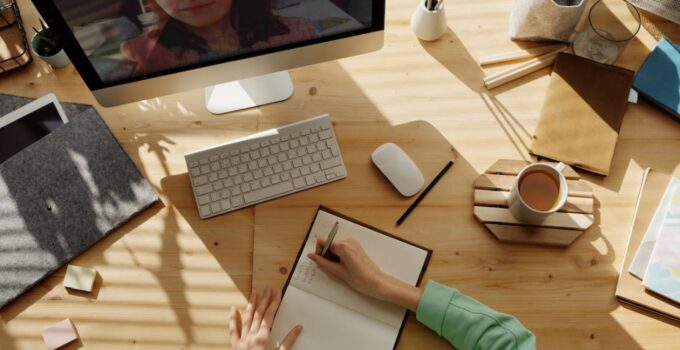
(560, 229)
(14, 53)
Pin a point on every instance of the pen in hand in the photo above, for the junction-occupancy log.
(326, 251)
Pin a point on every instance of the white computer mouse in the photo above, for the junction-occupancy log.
(396, 165)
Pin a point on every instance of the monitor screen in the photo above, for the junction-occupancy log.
(30, 128)
(136, 39)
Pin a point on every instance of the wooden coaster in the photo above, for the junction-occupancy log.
(560, 229)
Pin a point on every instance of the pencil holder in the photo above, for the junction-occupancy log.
(428, 24)
(538, 20)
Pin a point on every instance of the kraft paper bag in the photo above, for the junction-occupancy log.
(544, 20)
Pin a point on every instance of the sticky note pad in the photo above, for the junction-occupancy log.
(80, 278)
(59, 334)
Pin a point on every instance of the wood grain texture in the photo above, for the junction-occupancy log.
(534, 235)
(505, 183)
(513, 167)
(168, 278)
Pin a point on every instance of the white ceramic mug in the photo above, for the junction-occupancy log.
(521, 210)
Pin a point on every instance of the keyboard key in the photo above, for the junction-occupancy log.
(284, 146)
(321, 146)
(200, 180)
(263, 163)
(214, 158)
(307, 160)
(242, 168)
(224, 155)
(267, 192)
(223, 174)
(255, 185)
(233, 171)
(254, 146)
(334, 151)
(228, 182)
(264, 152)
(311, 149)
(294, 144)
(266, 182)
(215, 207)
(212, 177)
(225, 163)
(330, 163)
(205, 210)
(265, 143)
(313, 138)
(245, 188)
(245, 158)
(257, 174)
(225, 193)
(217, 185)
(205, 169)
(326, 134)
(235, 161)
(287, 165)
(299, 182)
(301, 151)
(315, 129)
(272, 160)
(285, 176)
(244, 149)
(238, 179)
(193, 164)
(316, 168)
(225, 204)
(297, 162)
(339, 172)
(292, 154)
(235, 191)
(253, 165)
(203, 200)
(326, 154)
(274, 149)
(304, 132)
(215, 196)
(215, 166)
(325, 126)
(195, 171)
(330, 174)
(205, 189)
(282, 157)
(275, 179)
(316, 157)
(247, 177)
(203, 161)
(310, 180)
(304, 141)
(295, 173)
(254, 155)
(268, 171)
(320, 177)
(278, 168)
(305, 170)
(233, 153)
(237, 201)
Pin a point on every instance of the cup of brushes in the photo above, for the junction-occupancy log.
(429, 20)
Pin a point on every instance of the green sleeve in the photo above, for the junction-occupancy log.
(468, 324)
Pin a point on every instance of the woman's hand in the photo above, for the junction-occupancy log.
(251, 332)
(360, 272)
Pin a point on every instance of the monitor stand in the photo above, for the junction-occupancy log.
(248, 93)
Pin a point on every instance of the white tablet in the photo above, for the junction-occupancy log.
(28, 124)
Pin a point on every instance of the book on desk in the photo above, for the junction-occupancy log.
(334, 315)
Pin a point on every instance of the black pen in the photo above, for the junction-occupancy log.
(424, 193)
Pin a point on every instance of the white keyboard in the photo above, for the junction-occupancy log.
(265, 166)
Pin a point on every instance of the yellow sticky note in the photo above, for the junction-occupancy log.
(80, 278)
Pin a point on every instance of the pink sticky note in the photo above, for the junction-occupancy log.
(59, 334)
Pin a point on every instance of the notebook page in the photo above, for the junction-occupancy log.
(329, 326)
(644, 253)
(396, 258)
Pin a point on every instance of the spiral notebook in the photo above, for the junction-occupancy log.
(334, 316)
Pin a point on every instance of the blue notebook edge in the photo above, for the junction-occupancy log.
(654, 79)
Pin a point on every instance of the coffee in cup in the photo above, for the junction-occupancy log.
(539, 190)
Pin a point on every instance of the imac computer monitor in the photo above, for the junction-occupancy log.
(240, 50)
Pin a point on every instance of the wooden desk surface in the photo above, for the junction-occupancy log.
(168, 278)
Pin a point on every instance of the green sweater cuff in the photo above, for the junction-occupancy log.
(434, 304)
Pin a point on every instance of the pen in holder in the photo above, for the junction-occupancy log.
(429, 23)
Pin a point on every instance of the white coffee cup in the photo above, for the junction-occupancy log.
(525, 213)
